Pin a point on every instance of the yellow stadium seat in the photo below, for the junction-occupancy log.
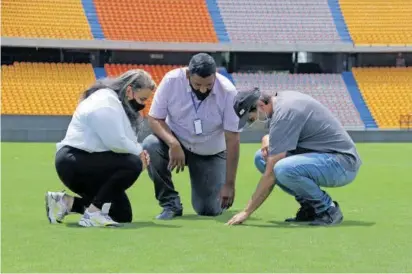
(58, 19)
(387, 92)
(378, 22)
(43, 88)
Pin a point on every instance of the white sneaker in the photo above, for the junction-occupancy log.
(98, 218)
(56, 208)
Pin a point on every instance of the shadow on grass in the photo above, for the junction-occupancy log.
(132, 225)
(221, 218)
(277, 224)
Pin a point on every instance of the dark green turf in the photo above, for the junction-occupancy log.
(376, 235)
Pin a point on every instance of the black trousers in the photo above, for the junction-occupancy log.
(99, 178)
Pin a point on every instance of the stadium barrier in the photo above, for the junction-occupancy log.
(27, 128)
(206, 47)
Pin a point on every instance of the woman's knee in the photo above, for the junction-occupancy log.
(125, 216)
(121, 209)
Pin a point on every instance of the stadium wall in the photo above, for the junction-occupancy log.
(20, 128)
(198, 47)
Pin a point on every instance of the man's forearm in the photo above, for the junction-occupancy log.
(266, 184)
(264, 188)
(162, 130)
(232, 160)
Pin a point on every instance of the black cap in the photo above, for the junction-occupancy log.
(244, 101)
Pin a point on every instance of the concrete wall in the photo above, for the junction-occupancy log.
(53, 129)
(33, 128)
(359, 136)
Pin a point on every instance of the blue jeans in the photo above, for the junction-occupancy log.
(302, 176)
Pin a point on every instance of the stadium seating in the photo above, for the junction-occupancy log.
(160, 20)
(43, 88)
(378, 21)
(56, 19)
(286, 21)
(388, 93)
(329, 89)
(157, 72)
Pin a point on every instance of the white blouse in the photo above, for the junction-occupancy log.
(100, 124)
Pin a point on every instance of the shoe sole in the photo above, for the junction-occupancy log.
(84, 223)
(180, 214)
(50, 217)
(337, 222)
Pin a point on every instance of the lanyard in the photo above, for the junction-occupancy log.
(194, 104)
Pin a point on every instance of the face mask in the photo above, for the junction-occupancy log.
(136, 106)
(201, 96)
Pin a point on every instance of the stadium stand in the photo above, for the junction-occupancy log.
(330, 89)
(25, 90)
(58, 19)
(387, 92)
(157, 72)
(160, 20)
(378, 21)
(358, 100)
(265, 21)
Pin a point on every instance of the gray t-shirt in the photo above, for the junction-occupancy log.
(301, 124)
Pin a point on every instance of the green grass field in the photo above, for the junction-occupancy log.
(376, 235)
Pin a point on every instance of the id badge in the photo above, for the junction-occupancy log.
(198, 126)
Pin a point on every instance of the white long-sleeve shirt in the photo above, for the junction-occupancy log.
(101, 124)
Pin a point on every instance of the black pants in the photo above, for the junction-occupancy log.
(99, 178)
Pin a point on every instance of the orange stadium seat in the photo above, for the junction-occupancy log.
(43, 88)
(387, 92)
(157, 72)
(160, 20)
(64, 19)
(385, 22)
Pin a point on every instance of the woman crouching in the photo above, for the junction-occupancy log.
(100, 157)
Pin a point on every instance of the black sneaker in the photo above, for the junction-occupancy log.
(305, 214)
(169, 213)
(332, 216)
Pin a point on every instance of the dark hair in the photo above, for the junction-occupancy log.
(202, 64)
